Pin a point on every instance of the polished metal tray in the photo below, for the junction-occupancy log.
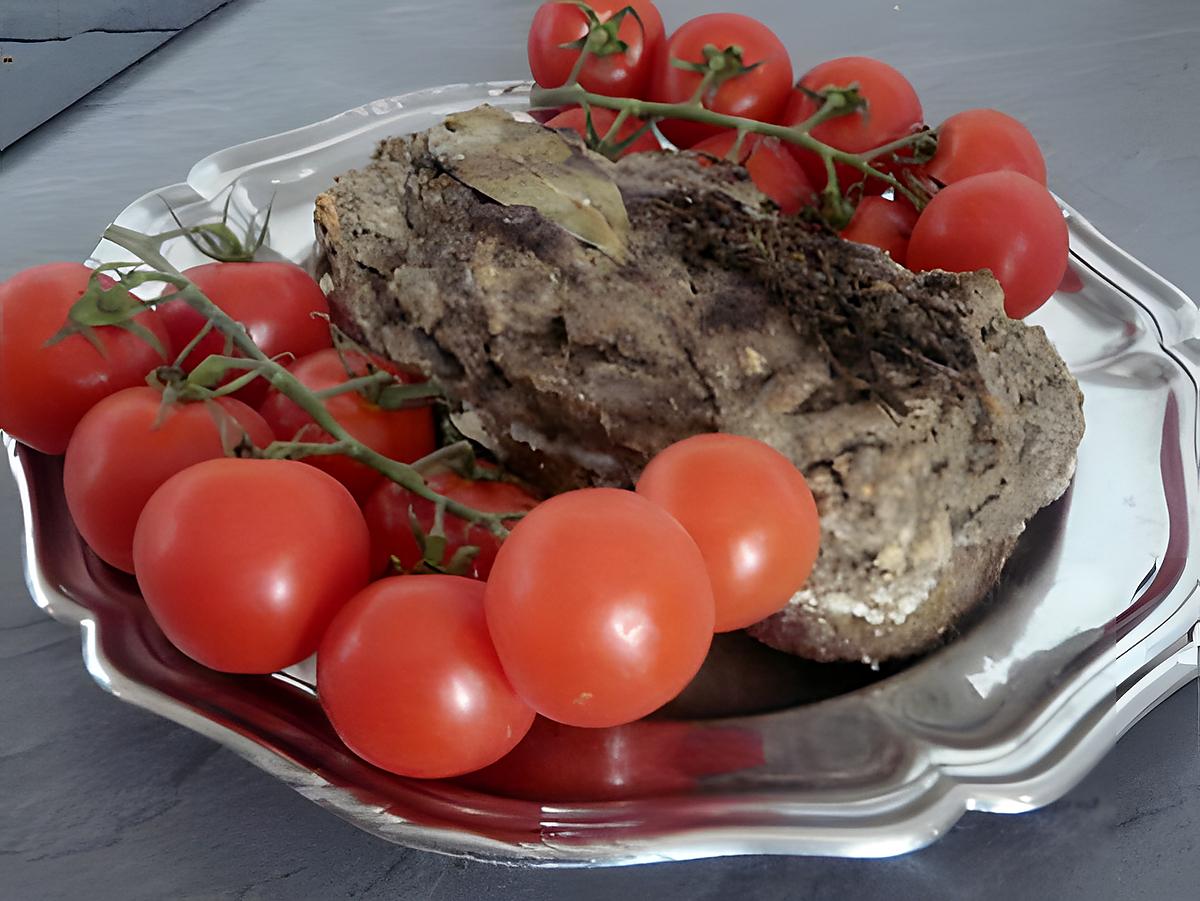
(1093, 622)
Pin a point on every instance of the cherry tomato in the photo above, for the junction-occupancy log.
(409, 678)
(985, 140)
(774, 171)
(886, 224)
(600, 607)
(575, 119)
(121, 453)
(761, 93)
(405, 435)
(243, 563)
(1002, 221)
(275, 301)
(749, 511)
(45, 391)
(619, 73)
(892, 111)
(644, 758)
(387, 514)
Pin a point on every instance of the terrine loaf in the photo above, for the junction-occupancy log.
(930, 426)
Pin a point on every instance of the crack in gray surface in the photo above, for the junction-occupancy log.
(67, 37)
(1148, 813)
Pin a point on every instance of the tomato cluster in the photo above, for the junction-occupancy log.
(979, 202)
(598, 608)
(442, 625)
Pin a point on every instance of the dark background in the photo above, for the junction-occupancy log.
(100, 800)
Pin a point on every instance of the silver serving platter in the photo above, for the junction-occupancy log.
(1095, 620)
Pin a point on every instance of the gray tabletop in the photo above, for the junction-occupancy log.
(100, 800)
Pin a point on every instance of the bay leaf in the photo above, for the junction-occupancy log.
(523, 164)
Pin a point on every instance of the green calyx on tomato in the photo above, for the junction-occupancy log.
(719, 65)
(603, 37)
(106, 302)
(605, 46)
(217, 241)
(434, 545)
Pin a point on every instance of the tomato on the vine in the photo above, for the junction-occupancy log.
(892, 111)
(772, 168)
(127, 445)
(600, 607)
(46, 389)
(976, 141)
(408, 676)
(882, 223)
(750, 512)
(575, 119)
(244, 562)
(404, 434)
(1002, 221)
(275, 301)
(621, 63)
(751, 73)
(388, 520)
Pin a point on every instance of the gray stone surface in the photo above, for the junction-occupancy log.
(99, 800)
(56, 52)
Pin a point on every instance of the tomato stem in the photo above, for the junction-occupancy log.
(257, 363)
(295, 450)
(836, 102)
(584, 53)
(193, 344)
(356, 384)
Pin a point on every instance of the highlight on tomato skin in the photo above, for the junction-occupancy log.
(616, 74)
(886, 224)
(893, 111)
(760, 91)
(599, 607)
(405, 435)
(978, 141)
(411, 682)
(1004, 222)
(275, 300)
(243, 563)
(754, 520)
(45, 389)
(128, 445)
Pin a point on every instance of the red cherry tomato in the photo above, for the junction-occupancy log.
(774, 171)
(892, 111)
(387, 514)
(409, 678)
(405, 435)
(45, 391)
(749, 511)
(640, 759)
(621, 73)
(243, 563)
(575, 119)
(275, 301)
(761, 93)
(985, 140)
(1002, 221)
(885, 224)
(600, 607)
(121, 453)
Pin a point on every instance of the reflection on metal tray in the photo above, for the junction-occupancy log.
(1093, 622)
